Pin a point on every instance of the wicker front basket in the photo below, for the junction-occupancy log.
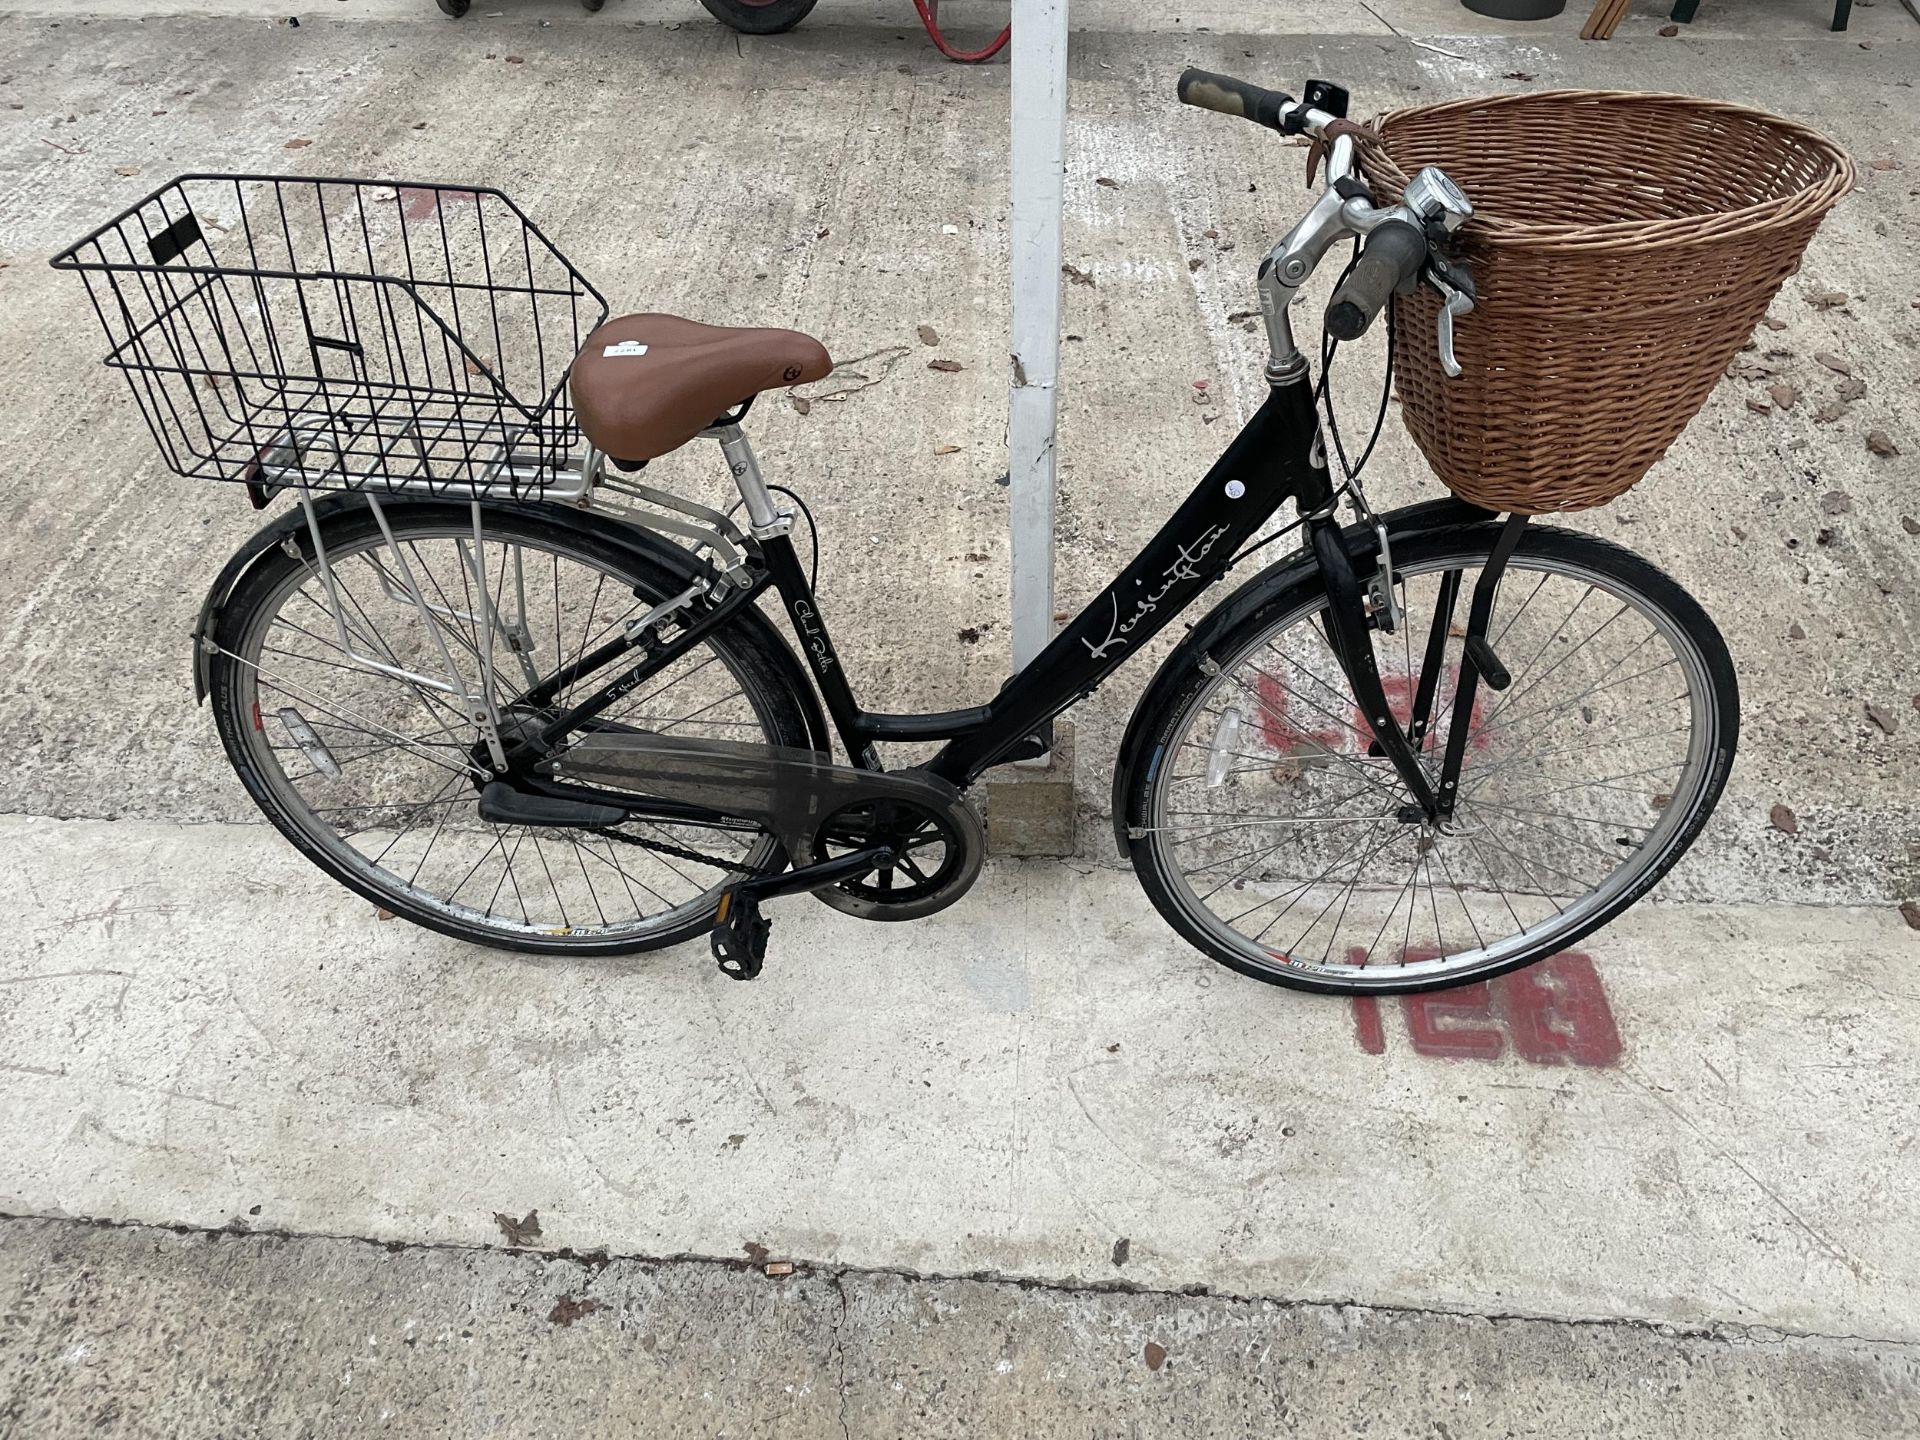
(1624, 247)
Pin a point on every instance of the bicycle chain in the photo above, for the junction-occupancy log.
(679, 853)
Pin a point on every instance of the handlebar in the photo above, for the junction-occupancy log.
(1394, 253)
(1399, 239)
(1228, 96)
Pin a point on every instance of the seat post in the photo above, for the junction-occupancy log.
(764, 517)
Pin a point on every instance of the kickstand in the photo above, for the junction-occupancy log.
(1477, 661)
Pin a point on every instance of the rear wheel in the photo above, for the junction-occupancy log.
(759, 17)
(1271, 837)
(375, 775)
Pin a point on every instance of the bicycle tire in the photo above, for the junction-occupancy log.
(759, 17)
(1297, 597)
(233, 687)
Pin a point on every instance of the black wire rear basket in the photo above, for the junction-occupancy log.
(343, 334)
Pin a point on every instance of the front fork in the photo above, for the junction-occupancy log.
(1348, 625)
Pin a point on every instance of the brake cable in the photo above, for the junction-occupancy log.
(1323, 399)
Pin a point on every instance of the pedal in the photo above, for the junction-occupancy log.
(739, 936)
(1487, 663)
(504, 805)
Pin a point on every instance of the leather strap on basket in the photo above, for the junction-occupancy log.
(1334, 129)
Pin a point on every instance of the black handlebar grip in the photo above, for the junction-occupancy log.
(1232, 97)
(1394, 254)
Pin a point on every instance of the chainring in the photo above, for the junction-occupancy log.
(938, 856)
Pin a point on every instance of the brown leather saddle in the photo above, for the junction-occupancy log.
(647, 384)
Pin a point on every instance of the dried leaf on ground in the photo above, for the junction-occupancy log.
(1885, 163)
(1783, 395)
(519, 1232)
(1773, 324)
(1881, 718)
(1156, 1354)
(126, 169)
(755, 1252)
(1827, 299)
(1122, 1248)
(1910, 913)
(928, 335)
(1881, 444)
(946, 449)
(1796, 631)
(1667, 32)
(1836, 502)
(946, 367)
(566, 1310)
(1833, 362)
(296, 144)
(1518, 75)
(1910, 525)
(1760, 407)
(1830, 412)
(800, 403)
(1076, 274)
(1108, 181)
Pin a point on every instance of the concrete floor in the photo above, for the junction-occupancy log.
(336, 1337)
(1695, 1225)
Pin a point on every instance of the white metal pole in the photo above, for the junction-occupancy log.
(1039, 170)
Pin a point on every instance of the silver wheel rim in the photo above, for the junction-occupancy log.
(1411, 943)
(518, 883)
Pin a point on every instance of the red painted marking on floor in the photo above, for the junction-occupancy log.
(1283, 737)
(418, 202)
(1368, 1030)
(1557, 1013)
(1455, 1024)
(1552, 1013)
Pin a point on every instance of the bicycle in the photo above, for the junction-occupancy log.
(484, 675)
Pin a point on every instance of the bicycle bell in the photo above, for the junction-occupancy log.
(1433, 196)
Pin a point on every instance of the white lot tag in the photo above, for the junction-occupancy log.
(625, 348)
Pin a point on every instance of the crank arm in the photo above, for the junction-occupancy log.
(817, 876)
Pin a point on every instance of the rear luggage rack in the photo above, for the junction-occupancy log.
(387, 336)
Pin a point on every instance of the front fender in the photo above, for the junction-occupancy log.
(1290, 570)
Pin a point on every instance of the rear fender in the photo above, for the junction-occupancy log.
(291, 529)
(1290, 570)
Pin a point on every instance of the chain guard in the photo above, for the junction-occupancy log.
(792, 792)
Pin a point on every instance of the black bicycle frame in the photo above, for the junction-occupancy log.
(1278, 457)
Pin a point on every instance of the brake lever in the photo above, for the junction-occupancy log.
(1455, 302)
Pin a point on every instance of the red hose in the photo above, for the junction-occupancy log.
(952, 52)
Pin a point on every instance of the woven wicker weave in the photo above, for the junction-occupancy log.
(1624, 247)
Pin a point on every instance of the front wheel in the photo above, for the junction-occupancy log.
(759, 17)
(1270, 835)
